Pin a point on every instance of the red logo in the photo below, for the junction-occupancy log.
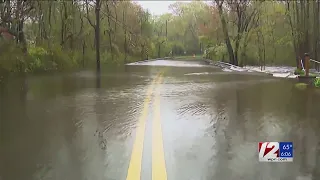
(268, 150)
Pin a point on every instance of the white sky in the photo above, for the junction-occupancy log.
(157, 7)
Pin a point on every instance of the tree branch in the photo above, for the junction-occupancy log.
(87, 17)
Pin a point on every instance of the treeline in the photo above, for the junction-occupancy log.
(248, 32)
(55, 35)
(49, 35)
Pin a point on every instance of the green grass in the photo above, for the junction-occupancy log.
(303, 73)
(299, 72)
(302, 85)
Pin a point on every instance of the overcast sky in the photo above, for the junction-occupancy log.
(157, 7)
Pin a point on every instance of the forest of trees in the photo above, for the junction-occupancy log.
(58, 35)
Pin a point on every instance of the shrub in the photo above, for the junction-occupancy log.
(299, 72)
(12, 58)
(317, 82)
(38, 59)
(63, 60)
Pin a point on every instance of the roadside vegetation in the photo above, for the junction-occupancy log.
(62, 35)
(303, 73)
(317, 82)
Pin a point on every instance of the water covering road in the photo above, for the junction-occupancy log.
(178, 120)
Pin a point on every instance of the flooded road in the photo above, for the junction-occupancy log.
(170, 120)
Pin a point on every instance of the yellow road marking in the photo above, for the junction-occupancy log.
(158, 160)
(134, 170)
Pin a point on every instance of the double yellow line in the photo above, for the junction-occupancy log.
(158, 161)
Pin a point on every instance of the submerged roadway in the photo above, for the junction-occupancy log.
(156, 120)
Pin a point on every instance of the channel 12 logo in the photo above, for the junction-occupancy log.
(275, 151)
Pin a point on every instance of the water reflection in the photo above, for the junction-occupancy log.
(256, 108)
(81, 126)
(98, 81)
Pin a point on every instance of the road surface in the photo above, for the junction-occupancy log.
(158, 120)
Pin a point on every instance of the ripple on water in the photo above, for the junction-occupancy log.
(193, 109)
(129, 122)
(114, 111)
(125, 112)
(186, 89)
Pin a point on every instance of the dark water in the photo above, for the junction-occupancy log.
(75, 127)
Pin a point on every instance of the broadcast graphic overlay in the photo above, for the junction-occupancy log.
(275, 151)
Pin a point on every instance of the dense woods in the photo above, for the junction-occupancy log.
(58, 35)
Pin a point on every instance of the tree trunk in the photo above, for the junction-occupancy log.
(116, 14)
(264, 51)
(237, 43)
(299, 26)
(109, 30)
(83, 53)
(317, 32)
(97, 34)
(243, 57)
(294, 31)
(72, 36)
(316, 29)
(303, 27)
(226, 35)
(141, 34)
(62, 27)
(39, 38)
(49, 20)
(142, 52)
(125, 36)
(259, 42)
(159, 48)
(274, 47)
(21, 37)
(236, 52)
(307, 22)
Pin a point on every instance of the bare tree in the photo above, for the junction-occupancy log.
(96, 27)
(109, 29)
(225, 31)
(244, 13)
